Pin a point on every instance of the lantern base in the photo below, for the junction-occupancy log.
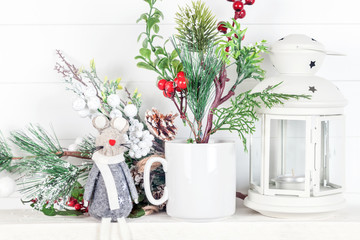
(293, 206)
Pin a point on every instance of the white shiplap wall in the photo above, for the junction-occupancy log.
(31, 30)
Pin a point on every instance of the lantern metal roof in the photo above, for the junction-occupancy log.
(297, 58)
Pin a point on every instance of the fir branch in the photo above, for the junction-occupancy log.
(45, 178)
(241, 115)
(5, 154)
(36, 141)
(196, 26)
(200, 70)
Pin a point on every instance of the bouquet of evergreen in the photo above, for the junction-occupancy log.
(194, 74)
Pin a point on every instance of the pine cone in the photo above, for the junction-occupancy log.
(162, 126)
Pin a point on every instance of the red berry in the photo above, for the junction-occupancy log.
(180, 74)
(78, 206)
(221, 27)
(227, 49)
(242, 13)
(182, 83)
(178, 89)
(72, 203)
(238, 6)
(161, 84)
(169, 87)
(167, 94)
(249, 2)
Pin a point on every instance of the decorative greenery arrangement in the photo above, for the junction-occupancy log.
(51, 184)
(205, 59)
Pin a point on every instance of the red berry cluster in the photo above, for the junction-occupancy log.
(240, 12)
(79, 206)
(179, 84)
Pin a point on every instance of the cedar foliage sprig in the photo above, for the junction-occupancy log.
(196, 26)
(152, 57)
(246, 58)
(241, 115)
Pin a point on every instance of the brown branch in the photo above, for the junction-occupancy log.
(71, 67)
(241, 195)
(61, 154)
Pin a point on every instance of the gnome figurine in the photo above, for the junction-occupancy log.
(110, 189)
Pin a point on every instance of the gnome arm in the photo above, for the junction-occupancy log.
(91, 182)
(130, 182)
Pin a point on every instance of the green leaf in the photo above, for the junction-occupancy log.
(139, 37)
(49, 211)
(142, 17)
(155, 36)
(144, 65)
(145, 43)
(159, 51)
(69, 213)
(77, 190)
(173, 55)
(163, 63)
(156, 28)
(151, 22)
(136, 213)
(145, 52)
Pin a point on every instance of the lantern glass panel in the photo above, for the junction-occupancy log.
(256, 155)
(287, 154)
(332, 153)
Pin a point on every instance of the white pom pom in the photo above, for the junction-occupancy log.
(7, 186)
(140, 126)
(136, 140)
(113, 100)
(138, 154)
(93, 103)
(115, 113)
(131, 153)
(142, 144)
(132, 128)
(130, 110)
(90, 92)
(144, 152)
(138, 134)
(147, 149)
(146, 133)
(126, 137)
(149, 143)
(79, 104)
(151, 137)
(84, 113)
(79, 140)
(73, 147)
(134, 147)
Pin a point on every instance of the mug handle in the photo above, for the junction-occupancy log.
(147, 186)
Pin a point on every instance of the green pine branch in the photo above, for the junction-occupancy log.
(201, 69)
(196, 26)
(5, 154)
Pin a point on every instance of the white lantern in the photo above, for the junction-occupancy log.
(297, 154)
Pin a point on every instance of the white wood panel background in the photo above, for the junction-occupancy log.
(31, 30)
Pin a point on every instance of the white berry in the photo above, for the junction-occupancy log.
(84, 113)
(115, 113)
(79, 104)
(94, 103)
(130, 110)
(113, 100)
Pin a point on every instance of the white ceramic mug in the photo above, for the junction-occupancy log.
(200, 180)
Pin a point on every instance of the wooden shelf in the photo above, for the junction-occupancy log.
(245, 224)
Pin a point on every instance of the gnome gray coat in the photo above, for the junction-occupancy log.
(110, 186)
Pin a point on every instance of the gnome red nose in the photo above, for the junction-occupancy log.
(112, 142)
